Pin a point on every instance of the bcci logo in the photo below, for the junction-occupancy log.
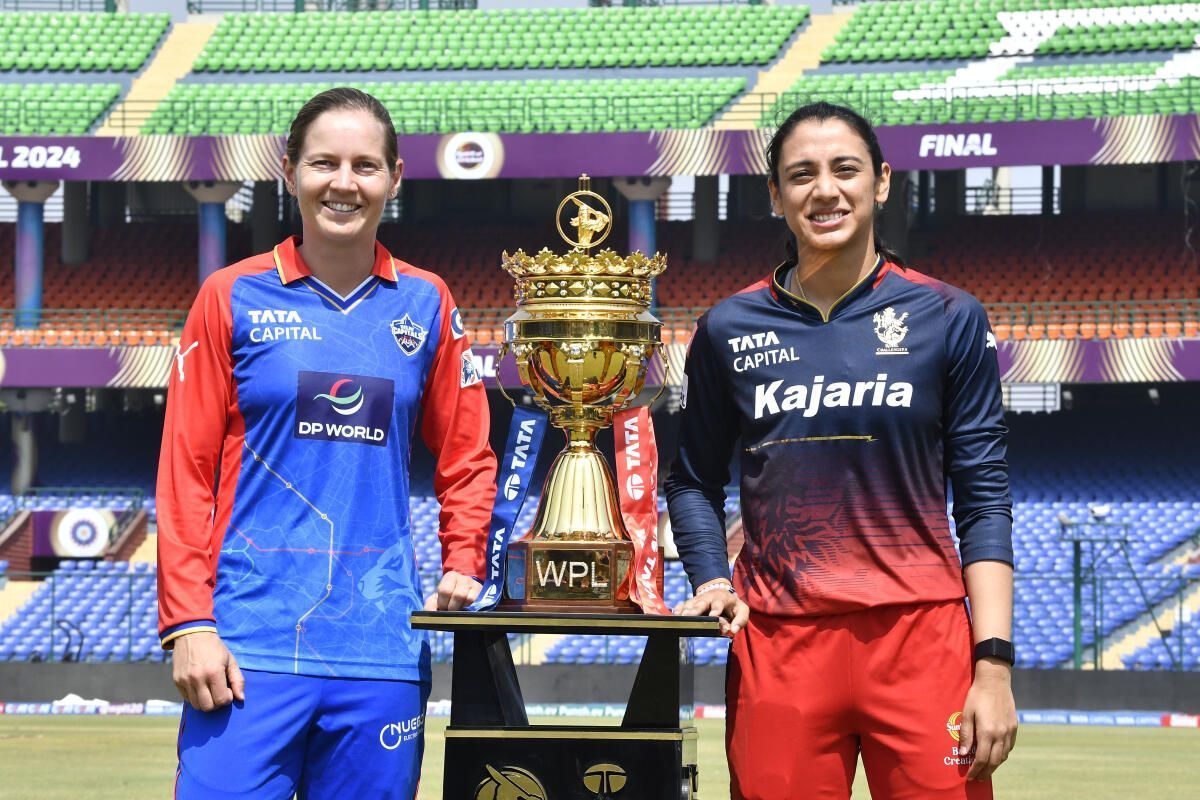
(891, 330)
(342, 399)
(509, 783)
(408, 334)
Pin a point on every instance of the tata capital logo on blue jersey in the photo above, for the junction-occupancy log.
(343, 408)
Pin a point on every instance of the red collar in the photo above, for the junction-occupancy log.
(291, 266)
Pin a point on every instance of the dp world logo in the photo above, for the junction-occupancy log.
(509, 783)
(343, 397)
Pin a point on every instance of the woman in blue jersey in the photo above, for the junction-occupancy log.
(287, 571)
(856, 387)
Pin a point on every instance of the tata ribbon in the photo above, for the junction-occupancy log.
(637, 480)
(516, 473)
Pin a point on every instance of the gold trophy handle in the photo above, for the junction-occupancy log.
(499, 381)
(662, 356)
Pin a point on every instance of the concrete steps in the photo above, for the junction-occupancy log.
(803, 54)
(14, 595)
(173, 60)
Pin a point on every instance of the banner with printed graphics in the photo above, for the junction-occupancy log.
(1130, 139)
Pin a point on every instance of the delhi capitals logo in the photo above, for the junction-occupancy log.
(343, 401)
(409, 335)
(891, 330)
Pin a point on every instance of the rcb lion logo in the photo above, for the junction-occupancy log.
(891, 330)
(509, 783)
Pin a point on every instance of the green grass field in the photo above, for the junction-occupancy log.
(133, 758)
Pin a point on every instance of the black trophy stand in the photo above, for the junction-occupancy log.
(492, 752)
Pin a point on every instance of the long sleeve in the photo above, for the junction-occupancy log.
(975, 436)
(199, 400)
(455, 428)
(696, 486)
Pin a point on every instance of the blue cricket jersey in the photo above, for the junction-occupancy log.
(283, 488)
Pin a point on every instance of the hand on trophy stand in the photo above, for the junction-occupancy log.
(583, 338)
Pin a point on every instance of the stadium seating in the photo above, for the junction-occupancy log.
(1069, 91)
(87, 611)
(65, 42)
(967, 29)
(62, 109)
(554, 106)
(500, 39)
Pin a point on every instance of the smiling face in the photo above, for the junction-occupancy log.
(341, 178)
(825, 187)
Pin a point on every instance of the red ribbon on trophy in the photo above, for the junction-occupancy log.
(637, 484)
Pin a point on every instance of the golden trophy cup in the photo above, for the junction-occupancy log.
(583, 337)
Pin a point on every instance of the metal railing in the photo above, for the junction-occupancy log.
(996, 200)
(125, 502)
(99, 319)
(1042, 101)
(535, 113)
(1154, 607)
(58, 5)
(301, 6)
(1114, 313)
(1111, 610)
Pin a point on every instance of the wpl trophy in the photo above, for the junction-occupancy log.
(583, 337)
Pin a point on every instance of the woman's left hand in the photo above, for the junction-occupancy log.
(989, 720)
(454, 593)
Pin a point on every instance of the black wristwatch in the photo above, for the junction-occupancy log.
(996, 648)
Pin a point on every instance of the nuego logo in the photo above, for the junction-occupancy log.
(954, 726)
(509, 783)
(344, 403)
(393, 734)
(456, 324)
(604, 780)
(891, 330)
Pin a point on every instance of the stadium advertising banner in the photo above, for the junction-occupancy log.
(469, 156)
(1043, 361)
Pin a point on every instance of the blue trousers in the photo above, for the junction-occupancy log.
(314, 738)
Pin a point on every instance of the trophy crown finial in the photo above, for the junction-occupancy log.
(592, 224)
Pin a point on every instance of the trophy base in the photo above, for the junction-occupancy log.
(569, 577)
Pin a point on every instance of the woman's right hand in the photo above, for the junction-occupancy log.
(718, 602)
(205, 672)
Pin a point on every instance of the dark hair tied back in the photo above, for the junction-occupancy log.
(821, 111)
(339, 99)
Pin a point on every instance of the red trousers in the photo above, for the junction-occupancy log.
(805, 695)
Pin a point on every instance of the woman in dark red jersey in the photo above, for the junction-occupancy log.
(857, 387)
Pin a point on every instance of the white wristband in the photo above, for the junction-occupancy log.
(719, 583)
